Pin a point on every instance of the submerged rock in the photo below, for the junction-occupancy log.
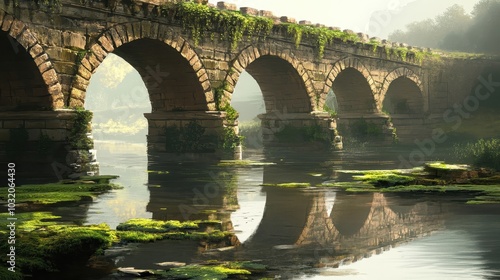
(135, 272)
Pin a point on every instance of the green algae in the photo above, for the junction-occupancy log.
(243, 163)
(203, 272)
(64, 191)
(153, 226)
(384, 179)
(288, 185)
(445, 166)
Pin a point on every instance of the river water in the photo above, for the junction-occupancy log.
(313, 233)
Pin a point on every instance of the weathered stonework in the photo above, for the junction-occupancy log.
(59, 58)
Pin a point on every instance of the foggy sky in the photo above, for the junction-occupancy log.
(357, 15)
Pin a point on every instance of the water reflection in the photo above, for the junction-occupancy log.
(315, 233)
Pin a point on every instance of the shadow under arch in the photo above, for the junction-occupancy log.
(353, 87)
(171, 69)
(284, 219)
(404, 96)
(349, 213)
(284, 82)
(28, 80)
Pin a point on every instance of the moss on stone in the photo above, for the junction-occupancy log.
(384, 179)
(445, 166)
(288, 185)
(204, 272)
(243, 163)
(153, 226)
(60, 192)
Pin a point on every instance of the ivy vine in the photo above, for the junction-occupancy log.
(232, 26)
(78, 134)
(201, 20)
(320, 35)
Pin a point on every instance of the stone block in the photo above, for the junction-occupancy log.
(73, 40)
(55, 124)
(27, 40)
(68, 68)
(146, 29)
(36, 50)
(55, 90)
(56, 134)
(80, 83)
(305, 22)
(34, 124)
(116, 38)
(50, 77)
(226, 6)
(12, 124)
(7, 22)
(249, 11)
(4, 135)
(44, 67)
(41, 59)
(363, 37)
(63, 54)
(265, 13)
(16, 28)
(85, 73)
(287, 19)
(99, 52)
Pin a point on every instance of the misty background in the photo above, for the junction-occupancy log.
(119, 98)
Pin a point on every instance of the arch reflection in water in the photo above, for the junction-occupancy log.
(298, 229)
(191, 191)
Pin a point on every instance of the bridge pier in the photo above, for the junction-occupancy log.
(46, 145)
(193, 135)
(375, 128)
(292, 129)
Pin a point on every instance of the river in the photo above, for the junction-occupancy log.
(313, 233)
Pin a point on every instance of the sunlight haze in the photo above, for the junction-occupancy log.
(357, 15)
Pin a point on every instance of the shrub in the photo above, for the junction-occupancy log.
(482, 153)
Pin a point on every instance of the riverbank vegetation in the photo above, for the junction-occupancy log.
(483, 185)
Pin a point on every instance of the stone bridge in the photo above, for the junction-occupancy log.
(48, 53)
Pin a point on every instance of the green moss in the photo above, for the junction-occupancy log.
(288, 185)
(153, 226)
(250, 266)
(58, 192)
(349, 186)
(445, 166)
(243, 163)
(81, 126)
(205, 272)
(230, 26)
(322, 36)
(158, 172)
(385, 179)
(139, 236)
(43, 246)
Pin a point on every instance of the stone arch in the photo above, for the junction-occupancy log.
(408, 82)
(298, 85)
(118, 39)
(20, 36)
(353, 67)
(350, 213)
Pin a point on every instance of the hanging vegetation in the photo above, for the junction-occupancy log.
(321, 36)
(232, 26)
